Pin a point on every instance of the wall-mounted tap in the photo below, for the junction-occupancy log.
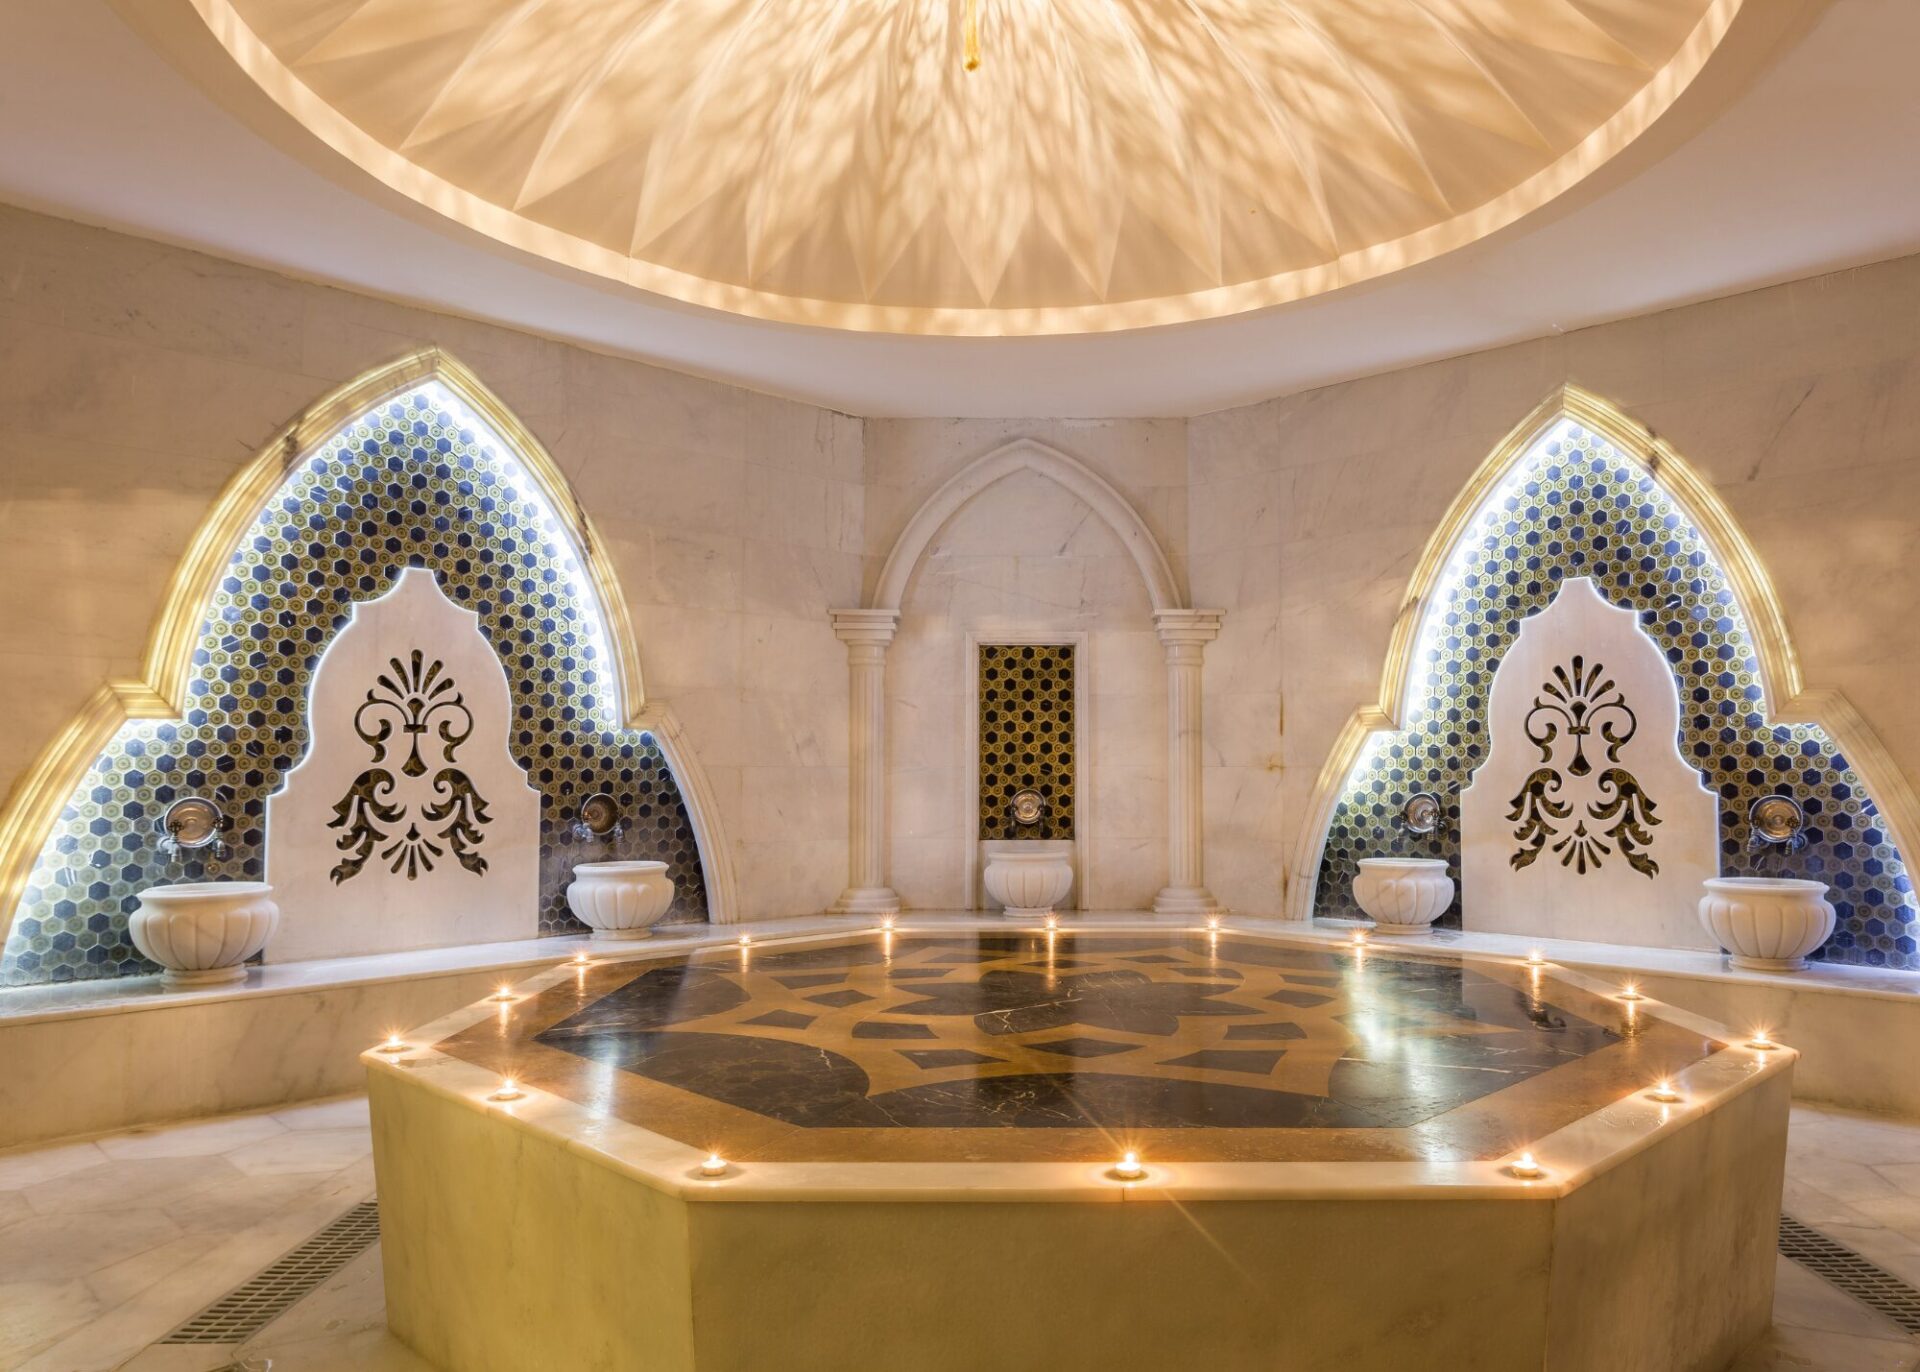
(1421, 814)
(1777, 824)
(193, 824)
(599, 818)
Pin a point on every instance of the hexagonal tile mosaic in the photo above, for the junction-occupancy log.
(419, 482)
(1576, 506)
(1026, 737)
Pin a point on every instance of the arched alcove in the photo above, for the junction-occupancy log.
(1178, 637)
(1578, 489)
(414, 464)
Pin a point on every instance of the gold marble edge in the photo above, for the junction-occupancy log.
(1568, 1157)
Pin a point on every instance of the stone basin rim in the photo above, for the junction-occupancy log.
(1589, 1147)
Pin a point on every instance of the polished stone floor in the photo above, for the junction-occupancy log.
(107, 1245)
(1009, 1045)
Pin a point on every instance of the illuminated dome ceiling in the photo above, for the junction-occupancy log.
(1109, 164)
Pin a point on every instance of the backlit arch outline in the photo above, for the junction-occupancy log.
(159, 693)
(1787, 698)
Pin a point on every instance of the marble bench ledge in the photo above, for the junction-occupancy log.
(119, 995)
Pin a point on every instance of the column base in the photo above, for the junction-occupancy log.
(866, 901)
(1185, 900)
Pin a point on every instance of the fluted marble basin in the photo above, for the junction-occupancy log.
(1028, 877)
(1768, 924)
(620, 900)
(202, 932)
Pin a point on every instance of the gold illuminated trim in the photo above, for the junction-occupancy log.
(398, 173)
(37, 798)
(1787, 698)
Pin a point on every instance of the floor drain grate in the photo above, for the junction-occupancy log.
(1874, 1287)
(263, 1298)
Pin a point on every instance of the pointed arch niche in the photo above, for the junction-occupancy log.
(869, 631)
(1579, 489)
(415, 463)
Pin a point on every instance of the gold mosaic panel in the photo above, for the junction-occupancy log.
(1026, 737)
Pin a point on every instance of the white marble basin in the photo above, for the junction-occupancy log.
(620, 900)
(1404, 895)
(202, 932)
(1769, 924)
(1028, 877)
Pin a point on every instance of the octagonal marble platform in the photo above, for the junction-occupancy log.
(919, 1126)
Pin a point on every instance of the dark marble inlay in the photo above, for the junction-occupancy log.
(945, 1057)
(1258, 1061)
(1082, 1047)
(1270, 1033)
(1374, 1043)
(781, 1019)
(881, 1029)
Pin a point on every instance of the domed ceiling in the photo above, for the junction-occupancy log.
(1107, 164)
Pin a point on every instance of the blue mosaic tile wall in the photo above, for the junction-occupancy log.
(420, 482)
(1577, 507)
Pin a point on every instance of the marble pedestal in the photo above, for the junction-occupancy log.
(547, 1232)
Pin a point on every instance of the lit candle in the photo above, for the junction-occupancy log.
(1213, 922)
(1526, 1168)
(580, 959)
(746, 940)
(1128, 1168)
(1761, 1043)
(392, 1045)
(1663, 1091)
(1631, 992)
(714, 1166)
(509, 1090)
(1359, 938)
(1535, 958)
(502, 992)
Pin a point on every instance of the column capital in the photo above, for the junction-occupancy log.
(872, 628)
(1180, 628)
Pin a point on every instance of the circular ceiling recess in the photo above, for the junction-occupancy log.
(1108, 164)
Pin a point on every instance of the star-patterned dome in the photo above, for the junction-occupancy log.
(1109, 164)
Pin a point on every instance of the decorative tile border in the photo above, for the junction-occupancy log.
(418, 482)
(1574, 506)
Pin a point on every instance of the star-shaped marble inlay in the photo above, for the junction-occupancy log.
(1016, 1002)
(986, 1029)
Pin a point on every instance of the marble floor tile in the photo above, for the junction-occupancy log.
(116, 1186)
(30, 1166)
(203, 1138)
(303, 1150)
(1787, 1349)
(345, 1112)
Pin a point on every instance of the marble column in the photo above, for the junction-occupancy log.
(866, 634)
(1185, 634)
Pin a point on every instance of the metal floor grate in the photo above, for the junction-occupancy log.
(1840, 1266)
(261, 1299)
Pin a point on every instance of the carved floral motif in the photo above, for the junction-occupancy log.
(1576, 703)
(417, 700)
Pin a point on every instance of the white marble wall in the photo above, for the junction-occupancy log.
(1801, 403)
(135, 379)
(1026, 556)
